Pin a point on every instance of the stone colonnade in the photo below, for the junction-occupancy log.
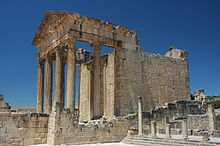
(153, 129)
(59, 78)
(153, 125)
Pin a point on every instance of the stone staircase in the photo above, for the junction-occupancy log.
(147, 141)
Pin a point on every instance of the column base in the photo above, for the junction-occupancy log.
(167, 136)
(140, 134)
(205, 139)
(185, 138)
(95, 117)
(153, 136)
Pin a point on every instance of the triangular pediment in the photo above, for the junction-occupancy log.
(47, 25)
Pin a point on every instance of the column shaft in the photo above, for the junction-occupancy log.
(140, 129)
(40, 86)
(59, 78)
(211, 115)
(153, 129)
(167, 130)
(71, 74)
(97, 79)
(48, 87)
(167, 127)
(184, 129)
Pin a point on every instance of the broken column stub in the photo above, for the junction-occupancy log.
(184, 129)
(212, 118)
(140, 127)
(167, 127)
(153, 129)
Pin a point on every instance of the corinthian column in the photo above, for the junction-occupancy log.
(59, 77)
(48, 87)
(40, 86)
(97, 81)
(71, 73)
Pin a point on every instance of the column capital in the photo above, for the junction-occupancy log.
(139, 98)
(40, 62)
(59, 51)
(96, 46)
(48, 58)
(71, 43)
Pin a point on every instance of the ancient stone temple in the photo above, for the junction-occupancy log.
(109, 84)
(127, 96)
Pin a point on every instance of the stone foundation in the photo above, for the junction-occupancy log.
(65, 129)
(23, 128)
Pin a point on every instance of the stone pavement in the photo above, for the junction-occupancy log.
(175, 140)
(97, 144)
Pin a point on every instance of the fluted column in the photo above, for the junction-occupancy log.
(40, 86)
(59, 77)
(71, 73)
(48, 88)
(97, 81)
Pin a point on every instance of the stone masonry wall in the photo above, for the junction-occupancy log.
(158, 79)
(127, 74)
(167, 80)
(23, 128)
(198, 122)
(65, 129)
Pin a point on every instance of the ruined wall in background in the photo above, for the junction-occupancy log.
(158, 79)
(166, 80)
(23, 128)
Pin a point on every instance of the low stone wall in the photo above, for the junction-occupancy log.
(23, 128)
(113, 131)
(180, 108)
(200, 122)
(64, 128)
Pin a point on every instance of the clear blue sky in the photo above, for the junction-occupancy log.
(188, 24)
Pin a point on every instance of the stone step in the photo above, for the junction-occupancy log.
(144, 140)
(141, 143)
(156, 143)
(180, 141)
(156, 139)
(150, 143)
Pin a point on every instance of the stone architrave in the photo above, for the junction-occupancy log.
(59, 77)
(184, 129)
(71, 73)
(97, 80)
(140, 127)
(40, 86)
(153, 129)
(48, 88)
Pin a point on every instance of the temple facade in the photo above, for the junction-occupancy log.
(109, 83)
